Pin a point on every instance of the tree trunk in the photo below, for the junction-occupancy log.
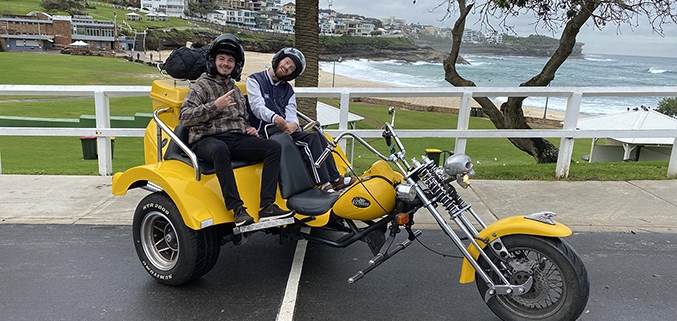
(511, 114)
(308, 41)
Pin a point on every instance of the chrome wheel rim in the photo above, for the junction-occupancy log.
(159, 241)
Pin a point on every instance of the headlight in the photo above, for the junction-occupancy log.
(405, 192)
(458, 164)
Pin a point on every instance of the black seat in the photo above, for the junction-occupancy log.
(295, 183)
(174, 152)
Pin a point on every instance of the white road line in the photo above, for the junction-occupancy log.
(289, 301)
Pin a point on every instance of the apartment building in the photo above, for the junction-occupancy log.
(172, 8)
(40, 31)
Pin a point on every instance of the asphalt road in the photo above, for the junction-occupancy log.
(85, 272)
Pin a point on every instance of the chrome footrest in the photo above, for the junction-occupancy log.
(263, 225)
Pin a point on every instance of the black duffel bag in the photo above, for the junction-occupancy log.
(186, 63)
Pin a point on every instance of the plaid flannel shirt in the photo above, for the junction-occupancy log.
(200, 115)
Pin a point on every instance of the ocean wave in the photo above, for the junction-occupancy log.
(595, 58)
(476, 63)
(484, 57)
(653, 70)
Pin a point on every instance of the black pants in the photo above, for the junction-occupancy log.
(312, 145)
(221, 148)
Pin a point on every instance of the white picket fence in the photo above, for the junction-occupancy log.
(567, 133)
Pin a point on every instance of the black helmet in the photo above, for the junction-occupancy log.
(226, 43)
(296, 56)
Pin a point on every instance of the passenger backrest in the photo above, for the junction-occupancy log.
(294, 177)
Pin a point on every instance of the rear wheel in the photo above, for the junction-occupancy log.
(171, 252)
(560, 281)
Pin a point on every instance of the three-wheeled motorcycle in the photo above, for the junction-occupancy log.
(522, 267)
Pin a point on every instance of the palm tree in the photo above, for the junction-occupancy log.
(307, 40)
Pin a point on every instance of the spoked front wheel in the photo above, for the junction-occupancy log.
(560, 281)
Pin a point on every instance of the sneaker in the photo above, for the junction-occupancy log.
(344, 182)
(273, 212)
(242, 217)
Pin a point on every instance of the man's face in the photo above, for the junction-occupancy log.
(285, 67)
(224, 63)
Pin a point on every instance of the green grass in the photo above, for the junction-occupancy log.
(102, 12)
(63, 155)
(494, 158)
(58, 69)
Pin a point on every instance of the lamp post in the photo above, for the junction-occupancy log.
(159, 47)
(545, 110)
(333, 74)
(144, 40)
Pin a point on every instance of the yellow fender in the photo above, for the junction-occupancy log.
(199, 202)
(509, 226)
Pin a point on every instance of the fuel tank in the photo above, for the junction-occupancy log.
(371, 197)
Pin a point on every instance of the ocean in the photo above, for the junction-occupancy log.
(510, 71)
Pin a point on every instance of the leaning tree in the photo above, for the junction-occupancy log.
(552, 15)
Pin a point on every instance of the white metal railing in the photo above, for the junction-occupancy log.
(568, 133)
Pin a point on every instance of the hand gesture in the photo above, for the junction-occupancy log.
(226, 101)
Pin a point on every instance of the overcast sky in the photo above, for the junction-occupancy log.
(638, 42)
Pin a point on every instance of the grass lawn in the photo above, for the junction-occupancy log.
(102, 11)
(494, 158)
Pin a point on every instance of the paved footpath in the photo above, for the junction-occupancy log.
(640, 206)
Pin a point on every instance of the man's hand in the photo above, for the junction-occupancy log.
(251, 131)
(225, 101)
(280, 123)
(291, 127)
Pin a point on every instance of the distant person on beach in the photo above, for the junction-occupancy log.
(272, 101)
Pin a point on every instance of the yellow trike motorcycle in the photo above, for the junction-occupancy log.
(521, 266)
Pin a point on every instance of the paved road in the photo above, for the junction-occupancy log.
(91, 272)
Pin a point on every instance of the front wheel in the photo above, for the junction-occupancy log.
(171, 252)
(560, 286)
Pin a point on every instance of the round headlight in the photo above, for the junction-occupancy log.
(458, 164)
(405, 192)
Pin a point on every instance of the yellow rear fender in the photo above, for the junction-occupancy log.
(199, 202)
(510, 226)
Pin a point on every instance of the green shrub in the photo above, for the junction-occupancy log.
(668, 106)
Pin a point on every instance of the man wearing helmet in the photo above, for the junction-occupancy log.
(215, 113)
(272, 101)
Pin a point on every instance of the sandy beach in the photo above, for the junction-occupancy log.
(256, 61)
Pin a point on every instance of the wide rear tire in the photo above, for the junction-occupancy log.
(171, 252)
(560, 287)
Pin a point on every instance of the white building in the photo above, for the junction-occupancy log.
(173, 8)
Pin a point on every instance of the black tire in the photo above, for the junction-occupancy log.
(171, 252)
(560, 287)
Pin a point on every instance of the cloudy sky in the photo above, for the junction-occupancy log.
(626, 41)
